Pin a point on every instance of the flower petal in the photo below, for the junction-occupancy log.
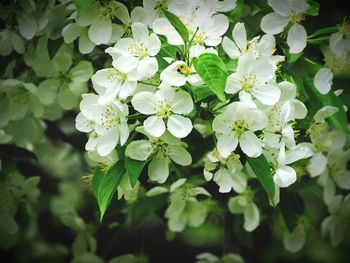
(323, 80)
(273, 23)
(139, 150)
(145, 102)
(250, 144)
(155, 126)
(267, 94)
(285, 176)
(296, 39)
(100, 30)
(158, 170)
(226, 144)
(179, 126)
(179, 155)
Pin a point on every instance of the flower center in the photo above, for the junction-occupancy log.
(110, 118)
(109, 10)
(184, 69)
(164, 110)
(161, 4)
(114, 75)
(199, 39)
(139, 50)
(20, 97)
(248, 82)
(296, 17)
(160, 148)
(239, 127)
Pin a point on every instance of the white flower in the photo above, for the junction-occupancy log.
(107, 124)
(204, 27)
(244, 204)
(323, 80)
(263, 46)
(111, 83)
(184, 209)
(166, 106)
(228, 174)
(252, 79)
(237, 124)
(285, 175)
(295, 240)
(281, 117)
(162, 150)
(339, 42)
(137, 53)
(337, 223)
(286, 11)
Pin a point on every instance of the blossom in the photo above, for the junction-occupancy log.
(323, 80)
(244, 204)
(228, 175)
(287, 11)
(339, 42)
(137, 53)
(252, 80)
(106, 123)
(166, 108)
(237, 124)
(162, 150)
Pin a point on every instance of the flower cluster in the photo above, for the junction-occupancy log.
(191, 92)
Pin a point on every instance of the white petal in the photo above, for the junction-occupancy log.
(158, 170)
(295, 241)
(239, 35)
(250, 144)
(148, 67)
(17, 43)
(273, 23)
(100, 31)
(317, 165)
(140, 32)
(233, 84)
(179, 126)
(126, 63)
(179, 155)
(153, 45)
(124, 133)
(325, 112)
(85, 44)
(162, 26)
(139, 150)
(230, 48)
(145, 102)
(170, 75)
(323, 80)
(280, 7)
(223, 178)
(27, 25)
(181, 103)
(267, 94)
(296, 39)
(251, 217)
(226, 145)
(285, 176)
(71, 32)
(82, 124)
(107, 142)
(155, 126)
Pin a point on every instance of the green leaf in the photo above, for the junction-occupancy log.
(177, 24)
(213, 71)
(338, 120)
(106, 185)
(262, 170)
(292, 207)
(144, 207)
(134, 169)
(237, 12)
(82, 5)
(232, 65)
(201, 92)
(53, 46)
(97, 176)
(324, 31)
(313, 9)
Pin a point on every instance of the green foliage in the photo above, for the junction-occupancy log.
(314, 8)
(339, 119)
(292, 208)
(134, 169)
(213, 71)
(104, 186)
(262, 171)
